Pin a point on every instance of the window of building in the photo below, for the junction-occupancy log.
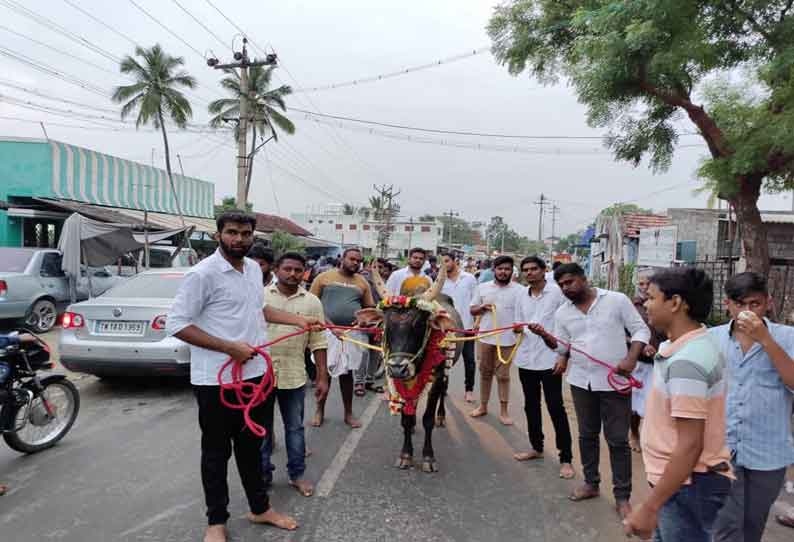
(391, 228)
(338, 226)
(409, 228)
(311, 221)
(365, 227)
(425, 229)
(319, 221)
(352, 227)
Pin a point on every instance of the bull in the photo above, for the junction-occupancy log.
(415, 325)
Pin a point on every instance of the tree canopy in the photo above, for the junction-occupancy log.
(642, 68)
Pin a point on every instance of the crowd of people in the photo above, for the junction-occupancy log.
(712, 418)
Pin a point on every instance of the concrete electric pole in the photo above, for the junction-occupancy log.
(243, 63)
(449, 216)
(541, 203)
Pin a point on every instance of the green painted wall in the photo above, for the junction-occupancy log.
(25, 170)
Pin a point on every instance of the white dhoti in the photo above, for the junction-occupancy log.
(644, 373)
(344, 356)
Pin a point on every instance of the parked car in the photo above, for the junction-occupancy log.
(160, 256)
(122, 332)
(34, 288)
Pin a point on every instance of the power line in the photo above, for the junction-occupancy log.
(16, 86)
(164, 27)
(49, 70)
(57, 50)
(101, 22)
(380, 77)
(452, 132)
(52, 25)
(205, 27)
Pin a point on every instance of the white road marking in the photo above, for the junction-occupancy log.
(159, 517)
(334, 470)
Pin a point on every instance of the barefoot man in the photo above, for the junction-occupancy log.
(220, 312)
(538, 367)
(343, 292)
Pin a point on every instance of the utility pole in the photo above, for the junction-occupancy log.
(541, 203)
(410, 231)
(449, 216)
(243, 63)
(555, 210)
(386, 196)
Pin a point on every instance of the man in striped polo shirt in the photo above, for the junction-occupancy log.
(683, 436)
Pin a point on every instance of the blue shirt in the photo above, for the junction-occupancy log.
(759, 405)
(486, 275)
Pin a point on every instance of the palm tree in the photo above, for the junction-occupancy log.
(154, 95)
(264, 103)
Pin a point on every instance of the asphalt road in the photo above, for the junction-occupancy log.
(128, 471)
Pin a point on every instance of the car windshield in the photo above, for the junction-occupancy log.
(160, 285)
(159, 258)
(14, 260)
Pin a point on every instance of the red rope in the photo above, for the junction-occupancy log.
(620, 383)
(249, 395)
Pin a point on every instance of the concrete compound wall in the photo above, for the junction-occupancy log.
(699, 225)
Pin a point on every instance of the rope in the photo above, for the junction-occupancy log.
(249, 395)
(620, 383)
(490, 333)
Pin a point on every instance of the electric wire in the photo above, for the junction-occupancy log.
(204, 26)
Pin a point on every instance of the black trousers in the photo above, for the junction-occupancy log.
(613, 410)
(532, 382)
(469, 365)
(223, 429)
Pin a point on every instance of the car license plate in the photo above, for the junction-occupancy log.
(119, 327)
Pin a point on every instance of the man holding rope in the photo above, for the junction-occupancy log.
(495, 302)
(595, 321)
(220, 312)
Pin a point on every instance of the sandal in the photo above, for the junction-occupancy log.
(360, 390)
(372, 387)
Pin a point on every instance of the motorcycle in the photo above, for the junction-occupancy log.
(36, 412)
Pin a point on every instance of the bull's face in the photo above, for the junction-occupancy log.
(408, 320)
(405, 332)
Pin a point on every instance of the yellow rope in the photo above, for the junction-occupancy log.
(479, 336)
(345, 337)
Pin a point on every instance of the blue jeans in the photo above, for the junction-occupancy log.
(689, 515)
(290, 404)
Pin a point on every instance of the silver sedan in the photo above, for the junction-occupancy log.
(122, 332)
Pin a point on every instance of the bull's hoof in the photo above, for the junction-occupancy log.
(404, 462)
(429, 465)
(441, 421)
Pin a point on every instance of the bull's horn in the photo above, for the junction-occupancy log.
(435, 289)
(377, 281)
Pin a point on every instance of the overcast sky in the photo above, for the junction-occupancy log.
(321, 42)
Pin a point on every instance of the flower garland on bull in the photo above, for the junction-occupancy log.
(405, 395)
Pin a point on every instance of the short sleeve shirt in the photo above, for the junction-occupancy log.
(533, 353)
(288, 355)
(342, 296)
(688, 382)
(504, 298)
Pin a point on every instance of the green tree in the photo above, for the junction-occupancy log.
(230, 204)
(624, 208)
(265, 105)
(282, 242)
(155, 95)
(567, 243)
(641, 65)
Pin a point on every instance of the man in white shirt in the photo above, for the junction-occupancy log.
(220, 312)
(416, 260)
(497, 296)
(538, 367)
(596, 321)
(461, 286)
(263, 256)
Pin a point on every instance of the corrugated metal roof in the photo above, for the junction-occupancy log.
(270, 223)
(634, 222)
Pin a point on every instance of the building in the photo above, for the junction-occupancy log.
(361, 230)
(43, 181)
(616, 244)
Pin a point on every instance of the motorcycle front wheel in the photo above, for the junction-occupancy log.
(39, 428)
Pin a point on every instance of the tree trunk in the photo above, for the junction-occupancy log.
(753, 230)
(168, 166)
